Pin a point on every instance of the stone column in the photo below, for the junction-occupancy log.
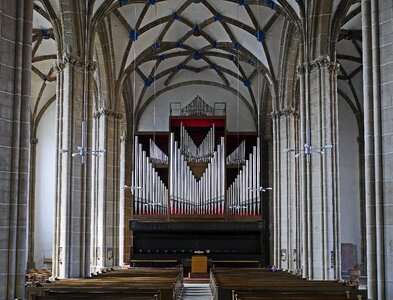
(106, 206)
(276, 190)
(15, 98)
(377, 42)
(320, 213)
(73, 202)
(285, 200)
(32, 174)
(128, 164)
(123, 222)
(363, 250)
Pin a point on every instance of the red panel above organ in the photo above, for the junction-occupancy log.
(189, 121)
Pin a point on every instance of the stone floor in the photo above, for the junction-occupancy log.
(197, 291)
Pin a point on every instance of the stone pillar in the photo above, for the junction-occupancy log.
(377, 42)
(276, 190)
(286, 208)
(320, 209)
(363, 250)
(128, 164)
(123, 222)
(32, 180)
(15, 98)
(73, 202)
(106, 205)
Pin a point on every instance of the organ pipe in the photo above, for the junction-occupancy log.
(150, 193)
(202, 153)
(243, 197)
(157, 156)
(238, 156)
(187, 195)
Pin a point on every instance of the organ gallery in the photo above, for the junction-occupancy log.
(197, 172)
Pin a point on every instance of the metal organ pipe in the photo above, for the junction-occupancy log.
(135, 177)
(238, 156)
(204, 152)
(242, 195)
(257, 181)
(189, 196)
(171, 166)
(150, 193)
(156, 154)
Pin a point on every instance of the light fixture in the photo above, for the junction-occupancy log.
(131, 188)
(260, 189)
(308, 149)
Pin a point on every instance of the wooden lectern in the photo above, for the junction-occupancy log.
(199, 266)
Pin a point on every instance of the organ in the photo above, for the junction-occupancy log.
(196, 190)
(198, 168)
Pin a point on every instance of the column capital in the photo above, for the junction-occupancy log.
(285, 113)
(301, 70)
(67, 60)
(107, 112)
(123, 138)
(70, 60)
(91, 66)
(321, 62)
(34, 141)
(324, 62)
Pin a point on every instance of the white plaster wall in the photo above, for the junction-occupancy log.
(185, 95)
(44, 224)
(349, 177)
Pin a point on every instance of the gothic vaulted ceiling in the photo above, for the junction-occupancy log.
(160, 45)
(163, 45)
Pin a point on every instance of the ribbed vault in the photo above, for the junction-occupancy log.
(162, 45)
(242, 46)
(44, 54)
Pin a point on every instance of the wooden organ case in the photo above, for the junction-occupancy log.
(196, 190)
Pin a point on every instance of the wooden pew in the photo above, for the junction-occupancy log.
(136, 284)
(98, 297)
(253, 284)
(293, 295)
